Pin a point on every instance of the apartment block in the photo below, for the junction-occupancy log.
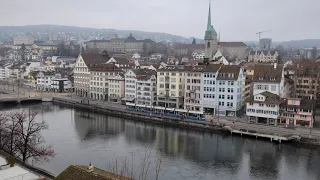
(229, 90)
(100, 76)
(171, 86)
(140, 86)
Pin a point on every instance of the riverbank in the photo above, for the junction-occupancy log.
(202, 126)
(143, 117)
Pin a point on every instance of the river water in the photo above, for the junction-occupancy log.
(80, 137)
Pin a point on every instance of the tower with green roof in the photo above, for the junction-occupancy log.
(211, 40)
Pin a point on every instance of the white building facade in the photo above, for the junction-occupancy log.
(263, 108)
(268, 78)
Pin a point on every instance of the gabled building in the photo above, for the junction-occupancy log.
(229, 89)
(264, 108)
(269, 78)
(82, 74)
(44, 80)
(297, 112)
(263, 57)
(123, 63)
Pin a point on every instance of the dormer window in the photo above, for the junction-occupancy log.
(272, 79)
(260, 78)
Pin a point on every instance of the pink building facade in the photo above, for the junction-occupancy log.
(297, 112)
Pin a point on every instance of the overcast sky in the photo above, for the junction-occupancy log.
(237, 20)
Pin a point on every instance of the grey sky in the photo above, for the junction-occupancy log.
(236, 19)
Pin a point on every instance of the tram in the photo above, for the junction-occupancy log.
(171, 112)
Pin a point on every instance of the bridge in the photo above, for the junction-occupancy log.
(19, 99)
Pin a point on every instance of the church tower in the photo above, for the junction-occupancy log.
(211, 38)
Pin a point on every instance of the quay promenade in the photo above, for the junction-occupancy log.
(211, 123)
(117, 109)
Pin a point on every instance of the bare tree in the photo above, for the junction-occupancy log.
(142, 171)
(10, 135)
(3, 123)
(30, 142)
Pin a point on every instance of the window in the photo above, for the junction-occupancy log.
(173, 86)
(261, 105)
(273, 87)
(259, 87)
(161, 85)
(188, 80)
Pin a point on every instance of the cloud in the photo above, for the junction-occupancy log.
(235, 19)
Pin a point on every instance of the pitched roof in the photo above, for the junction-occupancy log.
(105, 68)
(94, 59)
(267, 73)
(270, 98)
(306, 104)
(206, 68)
(229, 72)
(79, 172)
(177, 68)
(122, 60)
(232, 44)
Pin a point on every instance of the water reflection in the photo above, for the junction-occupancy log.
(188, 154)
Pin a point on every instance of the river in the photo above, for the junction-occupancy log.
(80, 137)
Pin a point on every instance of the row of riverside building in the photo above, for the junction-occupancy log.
(261, 91)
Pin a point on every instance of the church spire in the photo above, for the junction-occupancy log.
(209, 26)
(210, 32)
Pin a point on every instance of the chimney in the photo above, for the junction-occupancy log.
(90, 168)
(275, 65)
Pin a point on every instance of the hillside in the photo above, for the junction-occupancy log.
(306, 43)
(40, 31)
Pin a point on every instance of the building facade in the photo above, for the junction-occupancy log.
(229, 90)
(61, 85)
(125, 45)
(100, 76)
(82, 74)
(263, 56)
(264, 108)
(116, 88)
(147, 88)
(171, 86)
(268, 78)
(44, 80)
(297, 112)
(26, 40)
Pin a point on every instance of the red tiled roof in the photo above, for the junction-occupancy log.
(94, 59)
